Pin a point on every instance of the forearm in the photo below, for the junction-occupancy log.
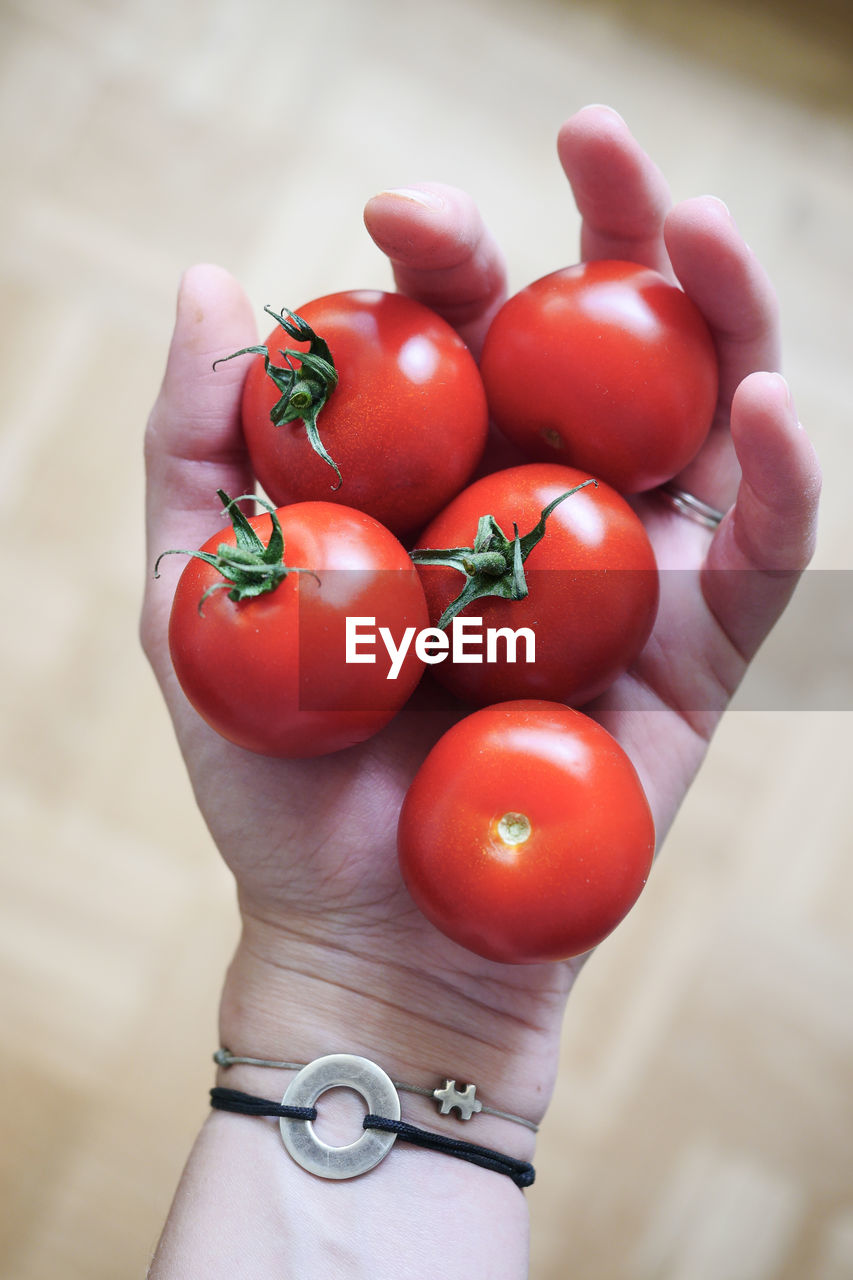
(244, 1208)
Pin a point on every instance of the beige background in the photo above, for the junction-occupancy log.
(702, 1125)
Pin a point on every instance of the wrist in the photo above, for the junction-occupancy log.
(422, 1017)
(289, 998)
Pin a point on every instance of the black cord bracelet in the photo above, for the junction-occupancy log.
(520, 1171)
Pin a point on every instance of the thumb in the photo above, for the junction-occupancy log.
(194, 443)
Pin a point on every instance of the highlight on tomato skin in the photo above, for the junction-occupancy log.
(526, 836)
(606, 366)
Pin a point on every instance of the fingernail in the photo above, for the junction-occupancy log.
(187, 307)
(783, 383)
(721, 204)
(789, 399)
(428, 199)
(603, 106)
(180, 298)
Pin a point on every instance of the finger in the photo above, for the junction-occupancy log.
(729, 286)
(731, 289)
(768, 537)
(441, 253)
(193, 442)
(620, 193)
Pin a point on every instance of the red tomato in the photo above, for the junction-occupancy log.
(405, 425)
(592, 583)
(526, 835)
(603, 366)
(270, 672)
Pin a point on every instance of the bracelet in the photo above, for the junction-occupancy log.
(448, 1095)
(382, 1125)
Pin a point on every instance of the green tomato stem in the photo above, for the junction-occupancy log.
(304, 391)
(250, 567)
(494, 565)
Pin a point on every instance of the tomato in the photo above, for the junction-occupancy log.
(604, 366)
(526, 835)
(270, 672)
(405, 425)
(592, 585)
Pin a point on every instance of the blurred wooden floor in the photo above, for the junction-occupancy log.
(703, 1122)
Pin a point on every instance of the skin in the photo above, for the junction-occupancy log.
(333, 954)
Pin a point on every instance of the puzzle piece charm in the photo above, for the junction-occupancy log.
(465, 1100)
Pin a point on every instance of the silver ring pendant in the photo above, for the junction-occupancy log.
(345, 1071)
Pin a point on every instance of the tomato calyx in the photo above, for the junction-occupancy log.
(494, 564)
(304, 391)
(514, 828)
(250, 567)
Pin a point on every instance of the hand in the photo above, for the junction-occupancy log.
(332, 946)
(727, 590)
